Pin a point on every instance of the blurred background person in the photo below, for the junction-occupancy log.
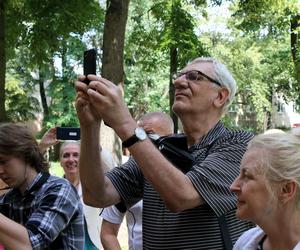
(268, 192)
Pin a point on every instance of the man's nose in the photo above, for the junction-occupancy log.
(235, 186)
(180, 81)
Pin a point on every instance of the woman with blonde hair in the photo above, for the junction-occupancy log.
(268, 192)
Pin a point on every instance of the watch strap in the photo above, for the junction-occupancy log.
(130, 141)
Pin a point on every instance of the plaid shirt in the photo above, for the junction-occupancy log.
(50, 210)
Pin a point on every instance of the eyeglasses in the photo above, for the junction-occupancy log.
(195, 75)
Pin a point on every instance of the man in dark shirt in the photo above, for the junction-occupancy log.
(40, 211)
(190, 209)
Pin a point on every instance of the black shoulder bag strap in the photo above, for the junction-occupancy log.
(225, 232)
(172, 147)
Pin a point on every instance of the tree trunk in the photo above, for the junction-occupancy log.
(42, 93)
(173, 70)
(2, 62)
(113, 40)
(112, 61)
(295, 44)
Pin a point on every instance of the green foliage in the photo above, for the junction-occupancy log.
(21, 104)
(146, 67)
(61, 88)
(146, 92)
(244, 63)
(177, 30)
(47, 23)
(62, 110)
(255, 46)
(153, 29)
(269, 23)
(38, 34)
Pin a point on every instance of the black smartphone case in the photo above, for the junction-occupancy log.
(67, 133)
(89, 63)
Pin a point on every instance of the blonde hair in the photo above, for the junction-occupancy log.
(280, 158)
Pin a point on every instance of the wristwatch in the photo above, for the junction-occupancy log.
(139, 135)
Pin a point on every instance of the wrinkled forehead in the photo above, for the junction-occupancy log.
(253, 158)
(203, 66)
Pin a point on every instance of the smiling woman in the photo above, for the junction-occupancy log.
(268, 189)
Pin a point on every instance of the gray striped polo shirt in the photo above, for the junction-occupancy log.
(217, 164)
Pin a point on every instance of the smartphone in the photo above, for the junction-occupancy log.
(68, 133)
(89, 63)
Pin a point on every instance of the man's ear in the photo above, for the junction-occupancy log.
(223, 95)
(288, 191)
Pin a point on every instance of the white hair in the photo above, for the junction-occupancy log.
(222, 75)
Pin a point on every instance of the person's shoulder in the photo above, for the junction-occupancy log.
(60, 187)
(58, 180)
(249, 239)
(59, 183)
(239, 136)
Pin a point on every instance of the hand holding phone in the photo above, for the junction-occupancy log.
(89, 63)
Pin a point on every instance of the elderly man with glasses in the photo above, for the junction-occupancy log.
(191, 209)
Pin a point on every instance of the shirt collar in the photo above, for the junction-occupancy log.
(212, 135)
(36, 183)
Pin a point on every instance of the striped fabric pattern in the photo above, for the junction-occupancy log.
(218, 157)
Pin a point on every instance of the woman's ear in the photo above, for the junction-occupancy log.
(288, 191)
(223, 95)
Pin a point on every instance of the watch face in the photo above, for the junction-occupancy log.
(140, 133)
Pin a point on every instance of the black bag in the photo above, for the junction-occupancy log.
(174, 148)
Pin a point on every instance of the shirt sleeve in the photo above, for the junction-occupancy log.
(128, 181)
(213, 176)
(53, 213)
(112, 215)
